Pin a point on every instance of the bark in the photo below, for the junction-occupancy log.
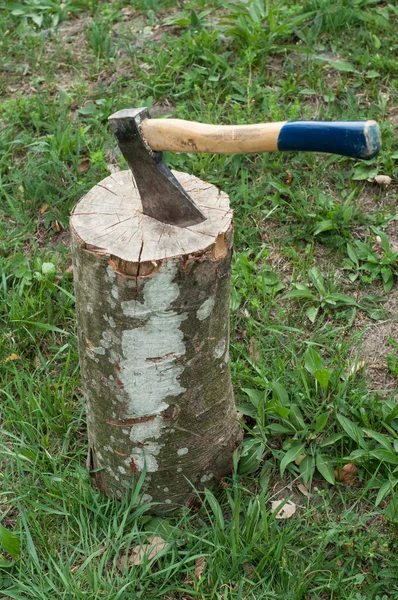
(153, 343)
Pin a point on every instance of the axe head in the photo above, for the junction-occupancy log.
(162, 197)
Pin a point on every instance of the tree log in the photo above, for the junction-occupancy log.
(152, 303)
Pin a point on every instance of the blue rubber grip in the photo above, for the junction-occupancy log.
(358, 139)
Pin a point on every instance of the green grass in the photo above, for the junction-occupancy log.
(310, 406)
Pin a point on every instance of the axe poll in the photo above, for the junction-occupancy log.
(142, 139)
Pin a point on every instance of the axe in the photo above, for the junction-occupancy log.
(141, 140)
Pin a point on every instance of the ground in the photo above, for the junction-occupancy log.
(315, 377)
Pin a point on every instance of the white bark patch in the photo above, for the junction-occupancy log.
(219, 349)
(110, 274)
(106, 341)
(145, 457)
(143, 431)
(113, 357)
(182, 451)
(205, 309)
(149, 371)
(110, 320)
(90, 309)
(99, 350)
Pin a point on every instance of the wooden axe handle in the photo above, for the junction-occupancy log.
(358, 139)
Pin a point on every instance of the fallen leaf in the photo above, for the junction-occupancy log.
(346, 474)
(99, 552)
(253, 351)
(84, 165)
(301, 488)
(248, 569)
(378, 367)
(200, 566)
(148, 551)
(11, 357)
(300, 459)
(43, 209)
(69, 269)
(383, 180)
(288, 509)
(289, 178)
(58, 226)
(357, 366)
(127, 11)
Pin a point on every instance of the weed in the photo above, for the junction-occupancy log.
(374, 257)
(324, 297)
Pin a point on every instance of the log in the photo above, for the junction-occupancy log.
(152, 304)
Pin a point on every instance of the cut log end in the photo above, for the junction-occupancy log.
(152, 305)
(109, 219)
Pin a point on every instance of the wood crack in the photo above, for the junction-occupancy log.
(130, 422)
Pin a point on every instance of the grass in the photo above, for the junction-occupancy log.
(315, 393)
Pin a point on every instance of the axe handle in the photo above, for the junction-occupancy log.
(357, 139)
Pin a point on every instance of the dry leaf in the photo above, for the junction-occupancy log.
(43, 209)
(200, 566)
(383, 180)
(100, 552)
(289, 177)
(378, 367)
(69, 269)
(253, 351)
(127, 11)
(148, 551)
(58, 226)
(11, 357)
(357, 366)
(301, 487)
(300, 459)
(248, 569)
(84, 165)
(346, 474)
(287, 510)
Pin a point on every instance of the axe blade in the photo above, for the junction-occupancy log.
(162, 196)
